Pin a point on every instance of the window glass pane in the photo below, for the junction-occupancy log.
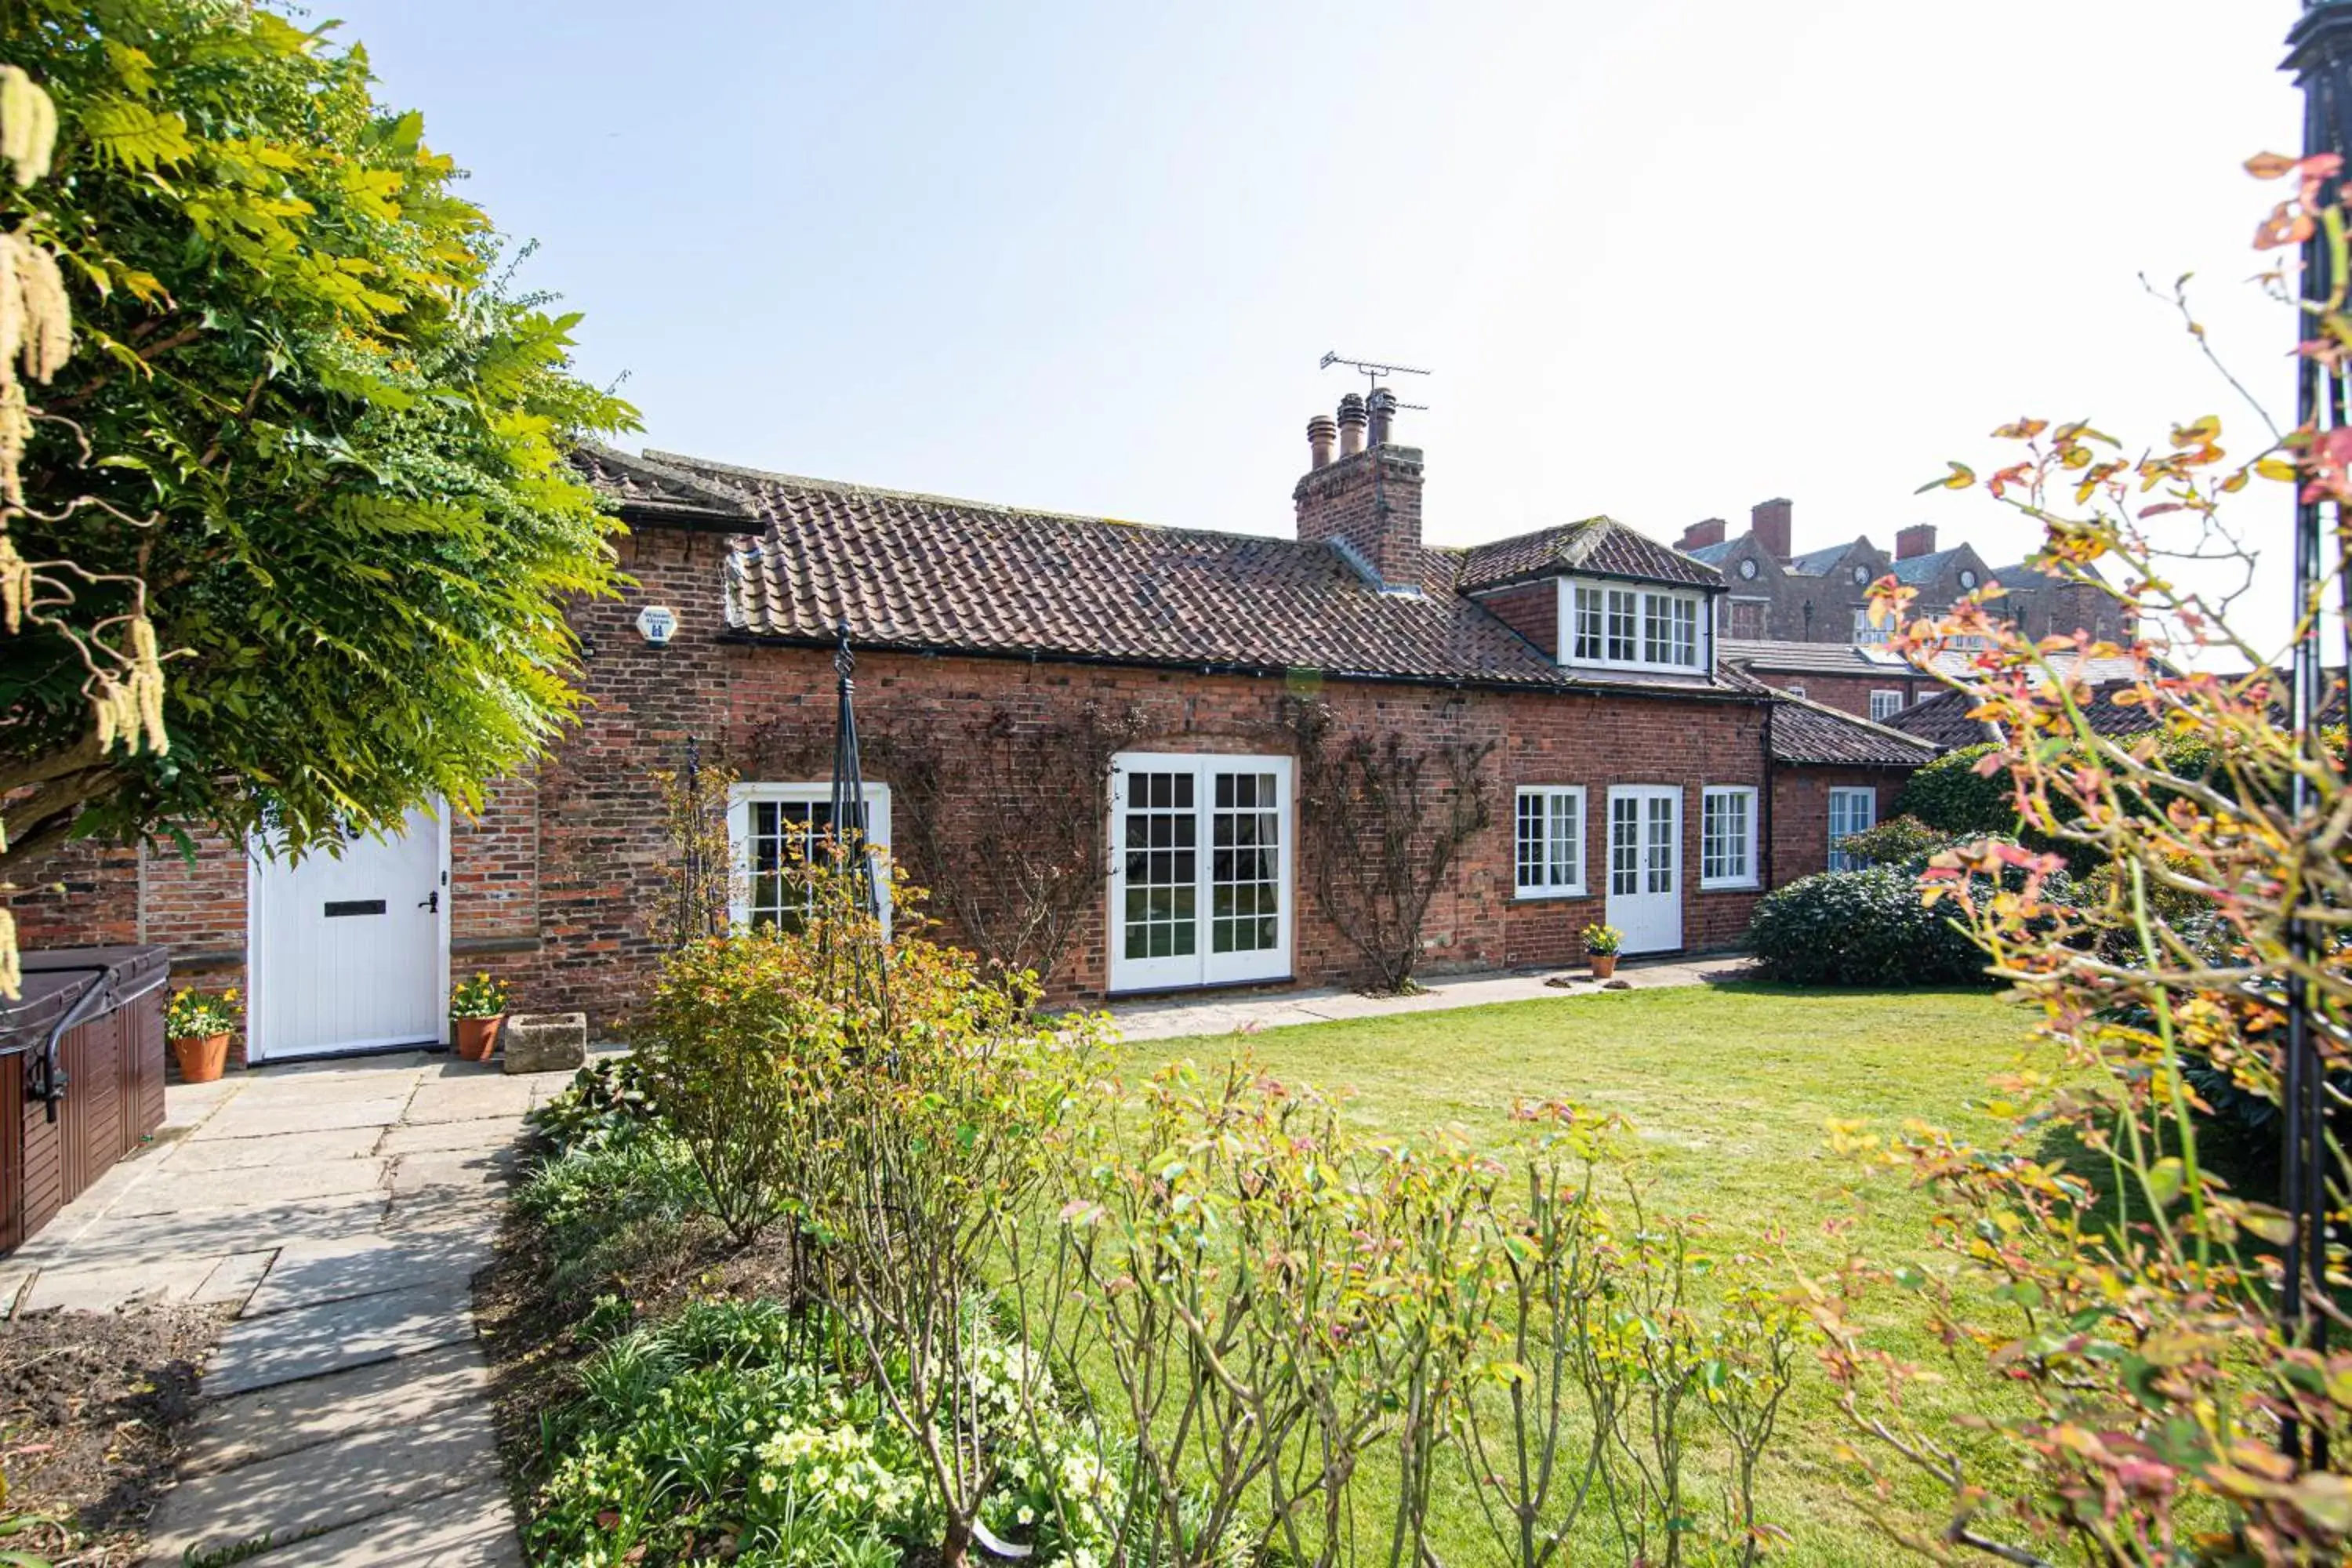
(1686, 650)
(1623, 608)
(1625, 846)
(1662, 845)
(1656, 636)
(1567, 840)
(1243, 885)
(781, 834)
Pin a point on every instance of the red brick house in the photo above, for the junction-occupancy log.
(1628, 775)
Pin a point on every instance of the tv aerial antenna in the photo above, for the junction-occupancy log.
(1372, 371)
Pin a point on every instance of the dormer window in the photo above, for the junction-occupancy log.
(1633, 626)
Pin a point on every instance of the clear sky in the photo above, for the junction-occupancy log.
(1667, 257)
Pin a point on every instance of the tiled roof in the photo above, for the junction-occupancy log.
(923, 571)
(1808, 734)
(1942, 721)
(656, 485)
(1813, 562)
(1813, 658)
(1713, 555)
(1598, 544)
(1921, 569)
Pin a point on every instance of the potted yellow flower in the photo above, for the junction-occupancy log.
(198, 1024)
(1601, 944)
(479, 1008)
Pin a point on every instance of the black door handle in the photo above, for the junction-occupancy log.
(431, 902)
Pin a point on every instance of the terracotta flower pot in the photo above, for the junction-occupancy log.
(478, 1038)
(201, 1058)
(1604, 964)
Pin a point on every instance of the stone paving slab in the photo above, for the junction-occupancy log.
(182, 1192)
(451, 1171)
(217, 1233)
(445, 1137)
(130, 1284)
(308, 1274)
(334, 1336)
(468, 1528)
(258, 1118)
(469, 1098)
(268, 1422)
(289, 1148)
(233, 1279)
(322, 1488)
(1168, 1018)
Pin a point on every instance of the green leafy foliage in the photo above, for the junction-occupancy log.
(608, 1197)
(605, 1098)
(1952, 797)
(312, 416)
(745, 1432)
(1860, 927)
(1897, 841)
(477, 997)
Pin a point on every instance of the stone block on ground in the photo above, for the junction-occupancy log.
(174, 1191)
(545, 1042)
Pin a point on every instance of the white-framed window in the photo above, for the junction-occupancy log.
(1796, 689)
(1726, 855)
(1867, 635)
(1634, 627)
(1885, 705)
(1851, 811)
(1550, 841)
(769, 827)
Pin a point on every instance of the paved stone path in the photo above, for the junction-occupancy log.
(1163, 1019)
(340, 1210)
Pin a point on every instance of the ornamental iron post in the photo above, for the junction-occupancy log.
(853, 854)
(2320, 55)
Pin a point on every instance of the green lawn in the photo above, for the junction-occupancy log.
(1729, 1089)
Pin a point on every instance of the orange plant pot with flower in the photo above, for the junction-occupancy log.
(477, 1007)
(199, 1026)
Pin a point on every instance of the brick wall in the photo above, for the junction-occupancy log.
(1801, 814)
(1532, 610)
(1846, 693)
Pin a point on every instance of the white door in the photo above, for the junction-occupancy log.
(351, 951)
(1201, 878)
(1645, 866)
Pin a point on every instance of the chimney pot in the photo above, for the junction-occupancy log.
(1382, 406)
(1920, 539)
(1699, 535)
(1321, 432)
(1771, 523)
(1351, 424)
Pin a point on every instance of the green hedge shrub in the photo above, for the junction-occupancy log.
(1860, 927)
(1897, 841)
(1948, 793)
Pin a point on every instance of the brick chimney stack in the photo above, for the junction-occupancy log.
(1771, 522)
(1321, 432)
(1367, 501)
(1699, 535)
(1920, 539)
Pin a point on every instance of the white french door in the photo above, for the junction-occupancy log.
(1200, 870)
(1645, 866)
(351, 951)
